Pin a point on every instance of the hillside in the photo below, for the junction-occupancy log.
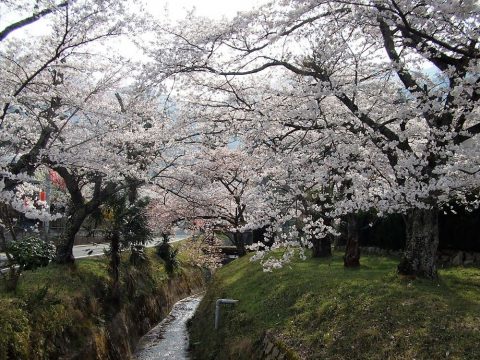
(316, 309)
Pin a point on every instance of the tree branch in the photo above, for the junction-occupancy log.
(29, 20)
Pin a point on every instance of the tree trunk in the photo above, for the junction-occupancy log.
(421, 244)
(14, 271)
(322, 247)
(75, 217)
(352, 249)
(239, 243)
(115, 264)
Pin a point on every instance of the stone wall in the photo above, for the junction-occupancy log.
(458, 258)
(445, 257)
(273, 349)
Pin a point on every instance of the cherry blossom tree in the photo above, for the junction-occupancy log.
(402, 74)
(70, 103)
(302, 173)
(211, 185)
(173, 208)
(35, 75)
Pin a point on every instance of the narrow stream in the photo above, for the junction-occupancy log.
(169, 339)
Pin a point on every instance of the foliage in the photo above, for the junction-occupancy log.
(129, 220)
(125, 228)
(57, 311)
(138, 256)
(31, 252)
(169, 255)
(38, 299)
(203, 251)
(321, 311)
(14, 331)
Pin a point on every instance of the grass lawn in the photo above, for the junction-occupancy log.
(320, 310)
(68, 281)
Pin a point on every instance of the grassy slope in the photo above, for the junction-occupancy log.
(323, 311)
(37, 324)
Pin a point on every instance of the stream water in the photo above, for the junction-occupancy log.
(169, 339)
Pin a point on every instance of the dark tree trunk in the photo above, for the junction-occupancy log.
(322, 247)
(78, 211)
(239, 243)
(421, 244)
(115, 264)
(352, 249)
(75, 217)
(11, 280)
(132, 190)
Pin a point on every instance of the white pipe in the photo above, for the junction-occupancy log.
(217, 309)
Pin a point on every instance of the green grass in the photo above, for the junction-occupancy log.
(69, 281)
(320, 310)
(50, 302)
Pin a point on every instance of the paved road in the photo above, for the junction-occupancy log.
(83, 251)
(91, 250)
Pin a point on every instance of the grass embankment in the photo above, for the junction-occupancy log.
(68, 312)
(320, 310)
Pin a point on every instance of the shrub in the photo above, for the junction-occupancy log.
(169, 256)
(138, 257)
(14, 331)
(31, 252)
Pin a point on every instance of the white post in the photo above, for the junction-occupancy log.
(217, 309)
